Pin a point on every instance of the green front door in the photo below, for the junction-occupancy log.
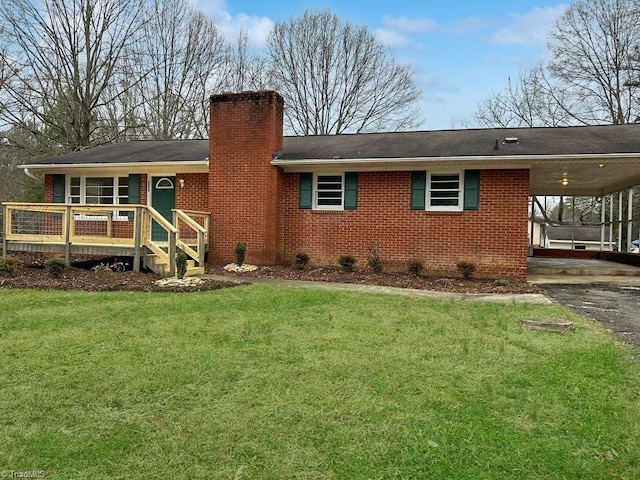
(163, 199)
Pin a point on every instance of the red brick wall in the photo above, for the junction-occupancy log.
(244, 188)
(48, 188)
(565, 253)
(195, 194)
(494, 236)
(143, 189)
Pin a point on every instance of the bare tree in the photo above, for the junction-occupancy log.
(337, 77)
(246, 69)
(589, 77)
(530, 100)
(174, 61)
(65, 56)
(591, 53)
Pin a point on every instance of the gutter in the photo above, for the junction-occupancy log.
(129, 165)
(485, 161)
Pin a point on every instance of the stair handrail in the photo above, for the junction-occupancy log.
(201, 231)
(170, 255)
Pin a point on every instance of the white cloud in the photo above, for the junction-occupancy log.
(430, 84)
(257, 28)
(464, 26)
(530, 28)
(410, 25)
(393, 39)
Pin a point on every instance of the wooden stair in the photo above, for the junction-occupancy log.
(161, 267)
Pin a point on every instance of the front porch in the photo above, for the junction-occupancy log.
(137, 231)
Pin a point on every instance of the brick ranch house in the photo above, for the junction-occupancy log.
(438, 196)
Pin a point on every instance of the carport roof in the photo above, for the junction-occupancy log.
(593, 159)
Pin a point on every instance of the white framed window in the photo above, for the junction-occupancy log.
(99, 191)
(444, 191)
(328, 191)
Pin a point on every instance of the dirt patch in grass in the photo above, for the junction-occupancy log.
(429, 281)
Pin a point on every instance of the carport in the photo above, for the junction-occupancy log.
(610, 177)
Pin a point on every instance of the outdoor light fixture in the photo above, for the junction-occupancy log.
(565, 182)
(181, 182)
(601, 165)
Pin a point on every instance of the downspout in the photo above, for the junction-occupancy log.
(29, 174)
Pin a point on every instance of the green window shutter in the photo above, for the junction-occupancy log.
(418, 190)
(58, 188)
(305, 198)
(134, 192)
(134, 189)
(471, 189)
(350, 190)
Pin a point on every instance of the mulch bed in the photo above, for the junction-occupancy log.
(93, 274)
(429, 281)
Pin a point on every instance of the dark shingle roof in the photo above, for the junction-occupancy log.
(474, 142)
(601, 139)
(135, 151)
(575, 232)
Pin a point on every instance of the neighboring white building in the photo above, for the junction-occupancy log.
(573, 237)
(535, 234)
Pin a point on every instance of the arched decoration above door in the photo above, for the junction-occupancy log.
(164, 184)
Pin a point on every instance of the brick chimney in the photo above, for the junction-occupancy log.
(244, 188)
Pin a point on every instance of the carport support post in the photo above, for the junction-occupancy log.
(620, 221)
(573, 221)
(611, 221)
(630, 219)
(533, 217)
(603, 209)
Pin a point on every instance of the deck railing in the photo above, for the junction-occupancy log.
(67, 227)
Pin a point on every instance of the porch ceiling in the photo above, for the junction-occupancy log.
(589, 176)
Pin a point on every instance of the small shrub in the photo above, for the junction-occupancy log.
(466, 268)
(416, 267)
(181, 264)
(6, 267)
(240, 250)
(374, 260)
(347, 262)
(301, 260)
(56, 266)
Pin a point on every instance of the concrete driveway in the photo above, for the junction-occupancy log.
(604, 291)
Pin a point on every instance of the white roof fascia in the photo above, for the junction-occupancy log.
(481, 162)
(183, 166)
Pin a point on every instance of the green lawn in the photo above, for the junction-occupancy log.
(265, 382)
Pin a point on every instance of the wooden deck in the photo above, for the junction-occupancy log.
(137, 231)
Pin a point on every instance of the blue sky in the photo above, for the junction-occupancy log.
(461, 50)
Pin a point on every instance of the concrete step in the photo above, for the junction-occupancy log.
(579, 267)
